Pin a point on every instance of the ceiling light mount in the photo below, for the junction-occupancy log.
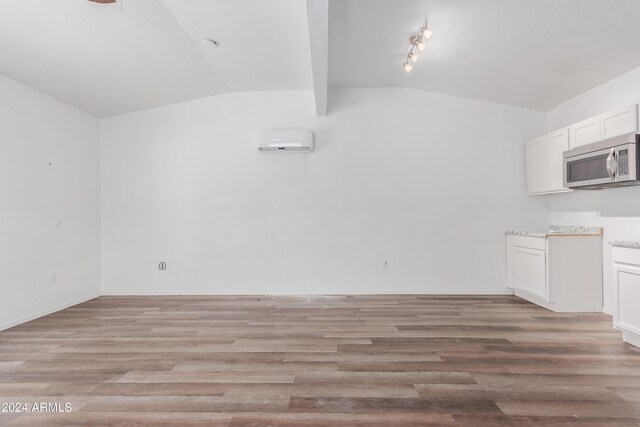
(417, 45)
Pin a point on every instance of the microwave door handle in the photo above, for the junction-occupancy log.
(611, 168)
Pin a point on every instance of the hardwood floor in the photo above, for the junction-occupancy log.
(302, 361)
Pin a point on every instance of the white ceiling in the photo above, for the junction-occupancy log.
(264, 44)
(113, 59)
(137, 54)
(529, 53)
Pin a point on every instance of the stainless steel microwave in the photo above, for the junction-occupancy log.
(602, 166)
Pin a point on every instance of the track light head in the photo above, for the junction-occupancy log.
(426, 33)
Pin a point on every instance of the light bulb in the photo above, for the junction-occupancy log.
(421, 46)
(407, 67)
(413, 57)
(426, 33)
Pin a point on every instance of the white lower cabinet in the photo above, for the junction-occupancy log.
(626, 290)
(561, 273)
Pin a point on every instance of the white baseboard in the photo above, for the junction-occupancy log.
(34, 316)
(223, 292)
(631, 338)
(607, 310)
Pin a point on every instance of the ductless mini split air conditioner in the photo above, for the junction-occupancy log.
(286, 141)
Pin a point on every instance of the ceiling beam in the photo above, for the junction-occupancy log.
(318, 16)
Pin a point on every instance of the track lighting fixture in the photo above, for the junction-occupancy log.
(418, 43)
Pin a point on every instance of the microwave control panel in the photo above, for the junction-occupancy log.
(623, 162)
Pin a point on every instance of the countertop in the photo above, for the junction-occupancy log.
(560, 231)
(625, 243)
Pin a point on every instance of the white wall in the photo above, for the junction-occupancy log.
(618, 92)
(424, 181)
(49, 209)
(616, 210)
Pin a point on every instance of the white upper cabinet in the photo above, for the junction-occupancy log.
(544, 162)
(619, 122)
(584, 132)
(622, 121)
(557, 143)
(537, 166)
(545, 165)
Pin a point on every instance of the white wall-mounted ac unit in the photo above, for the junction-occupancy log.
(286, 141)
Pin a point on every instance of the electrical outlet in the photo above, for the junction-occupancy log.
(162, 266)
(53, 277)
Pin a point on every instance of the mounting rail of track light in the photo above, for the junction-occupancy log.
(417, 45)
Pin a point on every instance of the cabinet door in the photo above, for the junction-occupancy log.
(627, 297)
(536, 166)
(531, 271)
(557, 143)
(620, 122)
(584, 132)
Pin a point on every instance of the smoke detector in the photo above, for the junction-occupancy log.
(209, 43)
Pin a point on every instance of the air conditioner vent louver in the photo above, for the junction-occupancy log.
(286, 141)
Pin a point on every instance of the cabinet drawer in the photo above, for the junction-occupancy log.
(626, 255)
(529, 242)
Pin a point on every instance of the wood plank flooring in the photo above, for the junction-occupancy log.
(332, 361)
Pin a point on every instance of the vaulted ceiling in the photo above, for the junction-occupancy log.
(110, 59)
(136, 54)
(530, 53)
